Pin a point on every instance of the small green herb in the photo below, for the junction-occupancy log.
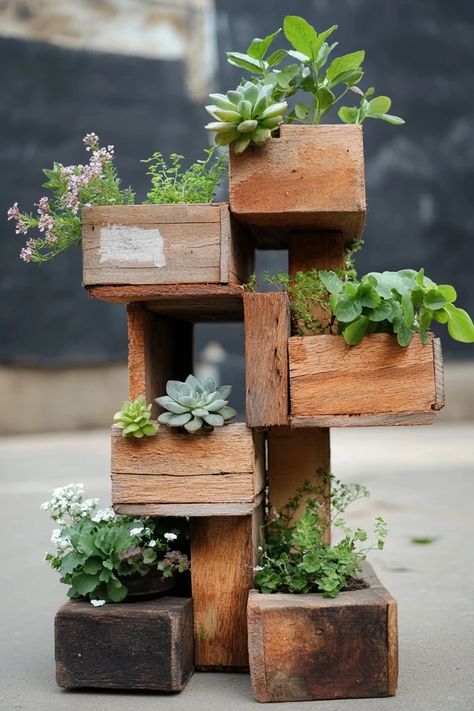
(171, 184)
(295, 556)
(423, 540)
(134, 419)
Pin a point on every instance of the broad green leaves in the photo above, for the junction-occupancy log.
(303, 37)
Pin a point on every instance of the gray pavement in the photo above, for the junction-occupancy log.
(421, 480)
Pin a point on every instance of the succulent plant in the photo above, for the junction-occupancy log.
(246, 115)
(134, 419)
(195, 405)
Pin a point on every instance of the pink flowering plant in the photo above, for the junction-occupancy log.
(97, 551)
(57, 221)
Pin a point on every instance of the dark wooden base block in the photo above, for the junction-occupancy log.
(307, 647)
(137, 645)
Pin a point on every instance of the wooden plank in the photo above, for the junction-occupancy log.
(223, 551)
(400, 419)
(267, 329)
(151, 214)
(293, 457)
(307, 647)
(192, 510)
(321, 250)
(159, 349)
(144, 645)
(392, 641)
(198, 302)
(438, 374)
(328, 377)
(313, 181)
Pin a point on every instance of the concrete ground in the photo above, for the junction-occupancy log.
(421, 480)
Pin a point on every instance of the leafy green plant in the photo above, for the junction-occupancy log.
(403, 302)
(195, 405)
(134, 419)
(58, 218)
(246, 115)
(325, 82)
(96, 550)
(172, 184)
(295, 556)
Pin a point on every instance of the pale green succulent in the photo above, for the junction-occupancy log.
(246, 115)
(195, 405)
(134, 419)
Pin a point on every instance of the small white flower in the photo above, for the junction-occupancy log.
(257, 568)
(152, 544)
(170, 536)
(136, 531)
(97, 603)
(259, 548)
(107, 514)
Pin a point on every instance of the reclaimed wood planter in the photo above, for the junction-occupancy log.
(309, 179)
(307, 647)
(374, 383)
(140, 645)
(163, 244)
(180, 474)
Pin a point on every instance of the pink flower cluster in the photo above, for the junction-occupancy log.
(78, 177)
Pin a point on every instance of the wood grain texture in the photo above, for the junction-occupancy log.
(141, 645)
(159, 349)
(376, 377)
(392, 641)
(295, 455)
(313, 181)
(267, 329)
(192, 510)
(192, 302)
(321, 250)
(225, 466)
(223, 551)
(237, 252)
(306, 647)
(161, 244)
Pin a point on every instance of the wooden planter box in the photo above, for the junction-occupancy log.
(179, 474)
(307, 647)
(374, 383)
(140, 645)
(309, 179)
(163, 244)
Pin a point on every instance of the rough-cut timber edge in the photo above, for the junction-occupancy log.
(309, 179)
(223, 467)
(375, 383)
(223, 554)
(306, 647)
(163, 244)
(267, 329)
(191, 510)
(160, 348)
(142, 645)
(191, 302)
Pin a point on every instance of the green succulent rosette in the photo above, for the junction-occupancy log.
(134, 419)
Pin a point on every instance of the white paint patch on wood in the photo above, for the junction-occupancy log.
(125, 245)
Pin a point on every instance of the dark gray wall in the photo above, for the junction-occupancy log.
(419, 177)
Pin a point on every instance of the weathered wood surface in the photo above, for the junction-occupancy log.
(141, 645)
(225, 466)
(192, 302)
(223, 554)
(159, 349)
(311, 179)
(267, 329)
(306, 647)
(295, 455)
(162, 244)
(377, 377)
(192, 510)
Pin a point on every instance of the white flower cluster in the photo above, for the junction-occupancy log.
(98, 603)
(137, 531)
(68, 500)
(170, 536)
(107, 514)
(62, 543)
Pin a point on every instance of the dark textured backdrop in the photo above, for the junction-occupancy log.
(419, 177)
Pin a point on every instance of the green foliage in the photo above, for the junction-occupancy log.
(246, 115)
(423, 540)
(195, 405)
(96, 551)
(58, 218)
(171, 184)
(325, 84)
(403, 302)
(134, 419)
(295, 556)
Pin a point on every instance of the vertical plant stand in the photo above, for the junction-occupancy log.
(176, 267)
